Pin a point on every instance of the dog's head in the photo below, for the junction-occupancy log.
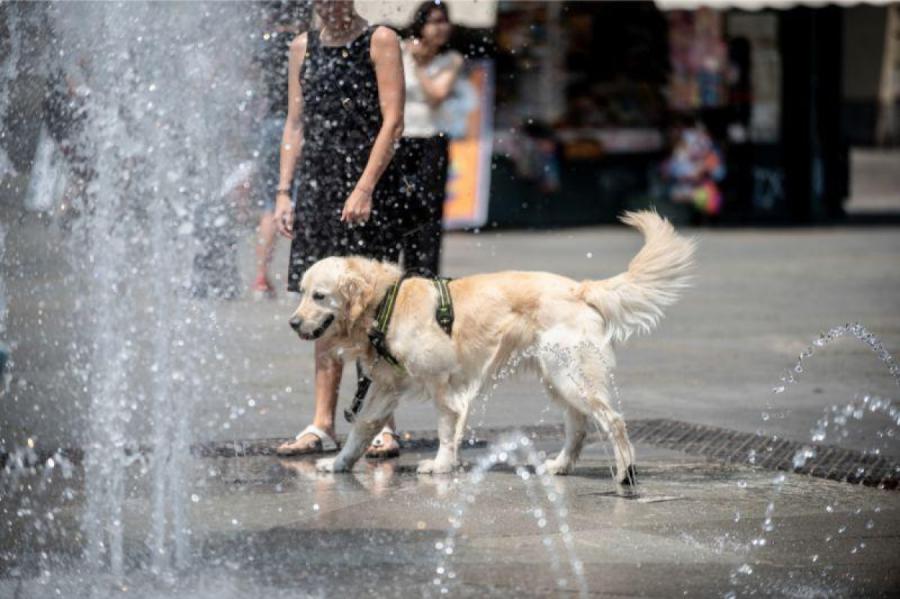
(334, 293)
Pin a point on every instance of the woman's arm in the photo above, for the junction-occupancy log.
(291, 139)
(438, 87)
(385, 53)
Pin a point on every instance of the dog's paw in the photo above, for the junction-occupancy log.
(332, 465)
(558, 467)
(627, 476)
(435, 467)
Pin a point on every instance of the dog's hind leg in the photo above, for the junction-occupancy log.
(576, 431)
(579, 378)
(614, 426)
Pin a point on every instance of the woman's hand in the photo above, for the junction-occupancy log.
(284, 215)
(358, 207)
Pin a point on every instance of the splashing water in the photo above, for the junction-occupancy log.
(517, 451)
(162, 89)
(566, 356)
(839, 418)
(8, 70)
(836, 418)
(854, 330)
(4, 356)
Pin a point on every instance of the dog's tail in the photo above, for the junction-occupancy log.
(633, 301)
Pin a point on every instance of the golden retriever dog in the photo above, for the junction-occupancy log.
(564, 329)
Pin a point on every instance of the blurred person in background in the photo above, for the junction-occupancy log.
(61, 168)
(281, 24)
(694, 169)
(431, 72)
(344, 117)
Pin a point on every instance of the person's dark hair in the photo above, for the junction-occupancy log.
(420, 18)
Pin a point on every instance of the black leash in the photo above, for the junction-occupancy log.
(362, 387)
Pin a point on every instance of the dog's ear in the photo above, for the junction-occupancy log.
(357, 294)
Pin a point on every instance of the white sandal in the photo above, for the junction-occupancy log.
(325, 443)
(378, 450)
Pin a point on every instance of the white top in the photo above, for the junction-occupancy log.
(419, 118)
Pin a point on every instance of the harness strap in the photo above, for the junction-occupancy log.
(444, 313)
(378, 333)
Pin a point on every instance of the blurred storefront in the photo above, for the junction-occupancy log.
(589, 94)
(580, 109)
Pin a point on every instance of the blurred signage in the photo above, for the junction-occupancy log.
(469, 179)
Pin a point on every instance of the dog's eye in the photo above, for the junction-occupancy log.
(318, 296)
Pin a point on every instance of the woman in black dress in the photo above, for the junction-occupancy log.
(345, 114)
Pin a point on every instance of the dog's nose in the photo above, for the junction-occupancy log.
(296, 322)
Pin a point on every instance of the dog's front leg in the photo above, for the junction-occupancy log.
(359, 438)
(367, 424)
(446, 460)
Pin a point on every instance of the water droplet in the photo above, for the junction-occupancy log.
(195, 498)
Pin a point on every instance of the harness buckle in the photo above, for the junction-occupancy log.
(444, 312)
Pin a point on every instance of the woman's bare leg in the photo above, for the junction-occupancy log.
(328, 382)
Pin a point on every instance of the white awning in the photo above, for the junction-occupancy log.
(758, 4)
(471, 13)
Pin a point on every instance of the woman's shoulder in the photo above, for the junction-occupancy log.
(384, 37)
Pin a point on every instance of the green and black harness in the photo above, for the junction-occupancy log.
(378, 333)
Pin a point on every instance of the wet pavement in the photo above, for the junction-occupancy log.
(265, 526)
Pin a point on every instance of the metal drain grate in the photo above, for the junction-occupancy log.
(771, 453)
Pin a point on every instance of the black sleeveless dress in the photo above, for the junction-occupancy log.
(341, 119)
